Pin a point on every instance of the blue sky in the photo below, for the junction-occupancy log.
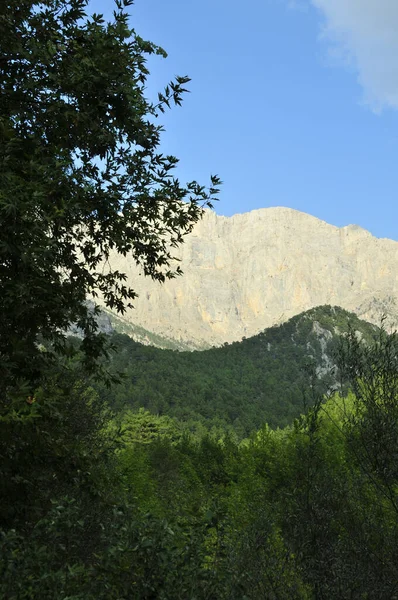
(293, 102)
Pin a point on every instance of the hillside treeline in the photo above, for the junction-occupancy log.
(96, 506)
(240, 386)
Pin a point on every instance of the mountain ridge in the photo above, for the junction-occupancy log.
(253, 270)
(239, 386)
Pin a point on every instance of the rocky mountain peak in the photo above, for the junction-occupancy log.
(253, 270)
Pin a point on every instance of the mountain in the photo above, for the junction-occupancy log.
(103, 320)
(248, 272)
(240, 385)
(121, 324)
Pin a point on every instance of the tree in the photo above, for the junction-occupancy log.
(372, 422)
(81, 173)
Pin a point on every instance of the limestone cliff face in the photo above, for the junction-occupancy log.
(250, 271)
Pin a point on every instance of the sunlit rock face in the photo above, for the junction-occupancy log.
(250, 271)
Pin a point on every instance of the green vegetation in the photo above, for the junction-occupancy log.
(98, 503)
(238, 387)
(81, 174)
(94, 506)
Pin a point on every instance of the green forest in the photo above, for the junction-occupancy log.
(103, 504)
(265, 469)
(239, 387)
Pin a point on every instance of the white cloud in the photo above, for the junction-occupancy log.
(300, 5)
(365, 33)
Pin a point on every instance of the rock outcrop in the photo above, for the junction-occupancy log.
(103, 320)
(250, 271)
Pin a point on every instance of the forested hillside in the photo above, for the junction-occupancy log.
(242, 385)
(94, 507)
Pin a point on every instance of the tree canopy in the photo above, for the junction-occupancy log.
(81, 172)
(95, 507)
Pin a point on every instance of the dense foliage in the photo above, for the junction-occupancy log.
(81, 173)
(240, 386)
(137, 509)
